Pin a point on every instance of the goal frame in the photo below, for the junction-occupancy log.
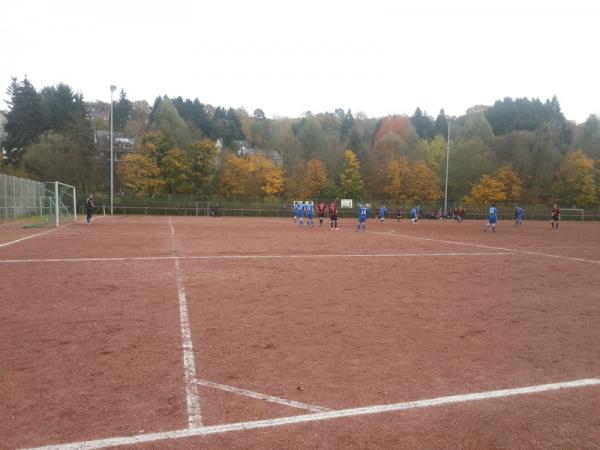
(57, 202)
(581, 210)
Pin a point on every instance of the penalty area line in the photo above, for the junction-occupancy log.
(328, 415)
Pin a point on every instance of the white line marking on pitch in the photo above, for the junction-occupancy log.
(26, 237)
(266, 397)
(352, 412)
(171, 225)
(514, 251)
(189, 364)
(159, 258)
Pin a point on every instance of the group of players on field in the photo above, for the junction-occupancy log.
(302, 210)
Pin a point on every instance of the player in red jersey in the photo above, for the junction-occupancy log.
(333, 216)
(555, 217)
(321, 211)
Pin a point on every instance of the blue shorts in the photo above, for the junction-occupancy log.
(492, 219)
(362, 219)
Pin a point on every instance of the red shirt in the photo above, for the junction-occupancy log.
(321, 208)
(556, 213)
(332, 210)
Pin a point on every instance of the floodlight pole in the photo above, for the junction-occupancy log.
(447, 161)
(112, 89)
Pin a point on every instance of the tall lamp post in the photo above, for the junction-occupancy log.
(112, 89)
(447, 161)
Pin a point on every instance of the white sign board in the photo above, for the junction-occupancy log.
(346, 203)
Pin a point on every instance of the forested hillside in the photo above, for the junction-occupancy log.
(516, 150)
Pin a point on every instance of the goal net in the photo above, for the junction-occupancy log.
(572, 214)
(60, 203)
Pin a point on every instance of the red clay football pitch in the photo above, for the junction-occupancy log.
(186, 332)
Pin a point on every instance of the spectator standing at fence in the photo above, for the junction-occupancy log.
(89, 209)
(555, 217)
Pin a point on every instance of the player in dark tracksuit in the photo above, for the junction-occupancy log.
(89, 209)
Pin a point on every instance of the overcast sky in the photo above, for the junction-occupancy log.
(289, 57)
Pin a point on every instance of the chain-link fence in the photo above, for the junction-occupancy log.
(20, 197)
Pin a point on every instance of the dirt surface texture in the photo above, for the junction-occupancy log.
(227, 333)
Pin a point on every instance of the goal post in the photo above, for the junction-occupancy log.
(572, 213)
(62, 202)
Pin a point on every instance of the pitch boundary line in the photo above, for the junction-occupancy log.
(5, 244)
(189, 363)
(510, 250)
(225, 257)
(321, 416)
(260, 396)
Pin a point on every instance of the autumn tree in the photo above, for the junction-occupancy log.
(203, 155)
(235, 176)
(141, 175)
(513, 186)
(315, 180)
(254, 176)
(177, 171)
(398, 180)
(351, 183)
(576, 182)
(267, 176)
(487, 190)
(425, 185)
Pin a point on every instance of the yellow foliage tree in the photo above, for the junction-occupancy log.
(268, 175)
(488, 190)
(235, 177)
(351, 183)
(254, 176)
(577, 179)
(315, 179)
(424, 184)
(140, 174)
(398, 179)
(513, 186)
(177, 170)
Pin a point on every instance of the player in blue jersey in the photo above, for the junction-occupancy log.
(363, 211)
(310, 214)
(414, 215)
(492, 216)
(295, 211)
(301, 213)
(382, 213)
(518, 216)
